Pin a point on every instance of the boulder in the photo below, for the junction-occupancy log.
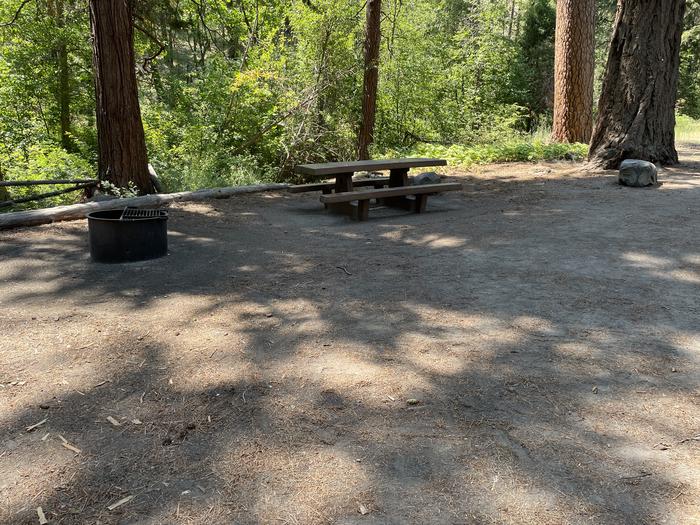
(429, 177)
(638, 173)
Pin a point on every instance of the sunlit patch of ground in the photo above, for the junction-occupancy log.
(525, 352)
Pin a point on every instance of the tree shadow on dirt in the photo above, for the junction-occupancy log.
(546, 348)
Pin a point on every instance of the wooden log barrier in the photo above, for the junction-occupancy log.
(79, 211)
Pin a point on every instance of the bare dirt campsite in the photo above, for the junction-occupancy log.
(527, 351)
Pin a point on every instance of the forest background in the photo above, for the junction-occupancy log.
(239, 91)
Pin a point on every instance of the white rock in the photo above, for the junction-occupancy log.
(638, 173)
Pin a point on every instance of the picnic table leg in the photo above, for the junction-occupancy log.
(421, 203)
(398, 178)
(343, 184)
(326, 191)
(361, 210)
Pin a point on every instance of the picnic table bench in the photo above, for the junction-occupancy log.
(341, 196)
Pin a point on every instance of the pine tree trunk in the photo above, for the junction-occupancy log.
(121, 141)
(636, 113)
(574, 64)
(371, 80)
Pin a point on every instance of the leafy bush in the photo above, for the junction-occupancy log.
(689, 80)
(513, 151)
(43, 161)
(231, 100)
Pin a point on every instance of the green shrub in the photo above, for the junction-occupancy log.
(522, 150)
(43, 161)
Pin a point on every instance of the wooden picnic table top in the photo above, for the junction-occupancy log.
(335, 168)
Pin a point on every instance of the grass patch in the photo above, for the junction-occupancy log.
(512, 151)
(687, 129)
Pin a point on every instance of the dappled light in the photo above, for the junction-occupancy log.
(460, 366)
(397, 281)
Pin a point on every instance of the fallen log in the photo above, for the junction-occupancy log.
(79, 211)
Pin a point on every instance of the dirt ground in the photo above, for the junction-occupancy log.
(527, 351)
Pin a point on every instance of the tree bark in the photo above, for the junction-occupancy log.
(121, 141)
(371, 78)
(574, 63)
(636, 112)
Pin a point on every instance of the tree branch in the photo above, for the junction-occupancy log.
(161, 46)
(280, 117)
(17, 13)
(200, 14)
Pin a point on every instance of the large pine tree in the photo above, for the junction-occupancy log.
(636, 113)
(121, 142)
(574, 64)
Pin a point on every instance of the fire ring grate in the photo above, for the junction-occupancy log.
(139, 213)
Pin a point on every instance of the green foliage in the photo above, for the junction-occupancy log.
(537, 72)
(448, 80)
(514, 150)
(29, 108)
(43, 161)
(108, 188)
(240, 92)
(689, 83)
(687, 129)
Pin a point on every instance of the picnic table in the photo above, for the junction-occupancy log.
(342, 195)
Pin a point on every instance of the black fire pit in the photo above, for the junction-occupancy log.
(128, 235)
